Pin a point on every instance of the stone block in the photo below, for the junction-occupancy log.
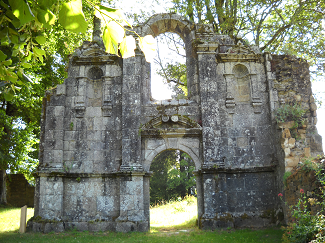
(286, 133)
(284, 142)
(113, 71)
(286, 125)
(291, 143)
(291, 161)
(38, 227)
(287, 152)
(242, 142)
(152, 144)
(126, 227)
(302, 131)
(53, 227)
(307, 152)
(93, 112)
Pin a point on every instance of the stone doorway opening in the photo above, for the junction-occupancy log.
(173, 194)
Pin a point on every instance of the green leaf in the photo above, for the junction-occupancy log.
(9, 95)
(148, 46)
(11, 76)
(14, 20)
(14, 39)
(72, 18)
(46, 3)
(107, 14)
(40, 39)
(7, 62)
(26, 65)
(15, 52)
(46, 17)
(29, 57)
(2, 56)
(21, 10)
(13, 31)
(38, 51)
(127, 47)
(112, 36)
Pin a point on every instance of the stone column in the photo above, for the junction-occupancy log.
(50, 197)
(208, 78)
(132, 213)
(131, 113)
(230, 100)
(256, 100)
(132, 204)
(107, 97)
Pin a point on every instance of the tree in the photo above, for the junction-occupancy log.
(22, 34)
(36, 38)
(171, 63)
(21, 98)
(278, 26)
(172, 176)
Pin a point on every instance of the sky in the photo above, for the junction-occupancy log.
(161, 91)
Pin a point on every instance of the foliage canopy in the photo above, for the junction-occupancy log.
(172, 176)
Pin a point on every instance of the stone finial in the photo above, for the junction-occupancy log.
(97, 32)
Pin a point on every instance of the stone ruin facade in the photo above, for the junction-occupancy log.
(101, 130)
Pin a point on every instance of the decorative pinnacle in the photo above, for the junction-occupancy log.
(97, 32)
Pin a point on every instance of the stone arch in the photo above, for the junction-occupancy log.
(95, 73)
(156, 146)
(170, 132)
(170, 22)
(240, 71)
(242, 83)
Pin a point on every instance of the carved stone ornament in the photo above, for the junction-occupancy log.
(80, 110)
(240, 49)
(174, 118)
(165, 118)
(239, 53)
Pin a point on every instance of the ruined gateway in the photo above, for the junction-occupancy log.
(101, 131)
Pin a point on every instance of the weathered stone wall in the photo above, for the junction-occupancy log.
(294, 87)
(19, 191)
(101, 131)
(291, 85)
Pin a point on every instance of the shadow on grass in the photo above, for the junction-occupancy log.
(192, 235)
(184, 232)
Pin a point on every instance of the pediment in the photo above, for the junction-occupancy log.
(171, 126)
(239, 53)
(91, 53)
(240, 49)
(174, 121)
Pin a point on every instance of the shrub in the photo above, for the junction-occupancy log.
(290, 112)
(303, 228)
(306, 227)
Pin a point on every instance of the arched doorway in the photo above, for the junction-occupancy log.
(173, 201)
(165, 133)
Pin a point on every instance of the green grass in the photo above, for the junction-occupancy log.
(174, 215)
(10, 218)
(171, 222)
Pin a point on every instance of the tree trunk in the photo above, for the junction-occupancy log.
(3, 187)
(182, 170)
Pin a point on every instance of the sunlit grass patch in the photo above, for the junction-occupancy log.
(175, 222)
(175, 214)
(10, 218)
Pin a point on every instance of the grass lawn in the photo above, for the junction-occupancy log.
(171, 222)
